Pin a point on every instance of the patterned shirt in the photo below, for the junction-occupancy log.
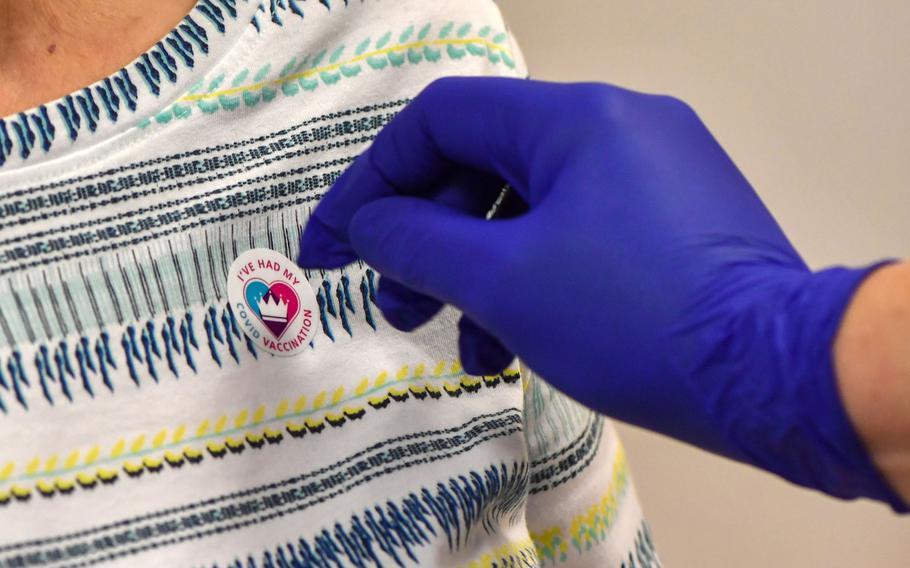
(140, 425)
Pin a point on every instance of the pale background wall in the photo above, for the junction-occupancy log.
(812, 100)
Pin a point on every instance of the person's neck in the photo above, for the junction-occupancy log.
(49, 48)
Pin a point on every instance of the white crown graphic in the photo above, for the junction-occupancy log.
(273, 311)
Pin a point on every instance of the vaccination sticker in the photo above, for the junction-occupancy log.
(273, 302)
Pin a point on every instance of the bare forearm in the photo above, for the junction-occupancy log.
(872, 357)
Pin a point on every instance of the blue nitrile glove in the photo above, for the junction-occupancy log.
(645, 278)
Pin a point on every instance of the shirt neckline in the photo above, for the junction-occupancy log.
(130, 96)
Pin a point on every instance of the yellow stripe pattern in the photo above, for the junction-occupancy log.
(228, 433)
(335, 66)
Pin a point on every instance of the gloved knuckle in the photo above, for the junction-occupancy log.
(600, 103)
(676, 107)
(416, 277)
(437, 90)
(512, 265)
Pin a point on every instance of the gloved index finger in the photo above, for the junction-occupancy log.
(480, 123)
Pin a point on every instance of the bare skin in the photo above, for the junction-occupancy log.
(49, 48)
(872, 357)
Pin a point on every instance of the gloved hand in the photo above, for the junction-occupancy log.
(645, 278)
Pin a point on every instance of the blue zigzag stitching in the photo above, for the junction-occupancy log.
(214, 14)
(24, 134)
(196, 33)
(88, 363)
(390, 533)
(154, 348)
(6, 143)
(165, 61)
(109, 99)
(44, 126)
(161, 62)
(89, 109)
(149, 74)
(71, 118)
(276, 7)
(345, 303)
(127, 89)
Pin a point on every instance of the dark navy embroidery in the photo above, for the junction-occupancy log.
(643, 554)
(162, 62)
(44, 126)
(149, 350)
(180, 49)
(391, 533)
(276, 7)
(451, 509)
(565, 464)
(299, 425)
(81, 278)
(164, 180)
(24, 135)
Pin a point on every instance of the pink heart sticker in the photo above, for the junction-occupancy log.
(276, 304)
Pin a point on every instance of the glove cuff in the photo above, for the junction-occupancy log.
(845, 468)
(769, 382)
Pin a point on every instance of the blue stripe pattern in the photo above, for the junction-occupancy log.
(390, 534)
(155, 349)
(107, 100)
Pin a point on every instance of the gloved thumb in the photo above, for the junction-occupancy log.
(430, 248)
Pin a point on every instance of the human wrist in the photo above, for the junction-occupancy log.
(773, 388)
(872, 359)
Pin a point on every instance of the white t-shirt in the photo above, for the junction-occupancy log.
(140, 426)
